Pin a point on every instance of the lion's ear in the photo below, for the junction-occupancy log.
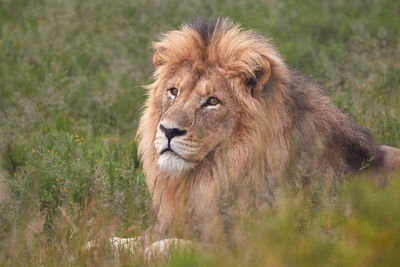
(256, 82)
(157, 59)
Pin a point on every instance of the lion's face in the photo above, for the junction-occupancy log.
(197, 115)
(205, 98)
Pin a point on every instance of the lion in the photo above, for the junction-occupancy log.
(225, 114)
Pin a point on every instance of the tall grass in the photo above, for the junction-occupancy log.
(71, 76)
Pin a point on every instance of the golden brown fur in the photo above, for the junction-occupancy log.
(270, 125)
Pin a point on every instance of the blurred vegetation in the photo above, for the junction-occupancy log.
(71, 76)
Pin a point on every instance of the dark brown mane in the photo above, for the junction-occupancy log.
(355, 143)
(205, 28)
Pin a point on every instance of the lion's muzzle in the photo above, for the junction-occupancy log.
(176, 151)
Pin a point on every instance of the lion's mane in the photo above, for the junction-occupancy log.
(291, 132)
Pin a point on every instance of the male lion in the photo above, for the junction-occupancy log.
(225, 115)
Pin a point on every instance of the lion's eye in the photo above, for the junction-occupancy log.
(212, 101)
(173, 91)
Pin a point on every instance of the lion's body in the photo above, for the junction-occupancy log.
(269, 124)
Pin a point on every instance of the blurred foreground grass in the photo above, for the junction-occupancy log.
(71, 76)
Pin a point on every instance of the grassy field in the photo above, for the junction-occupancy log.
(71, 76)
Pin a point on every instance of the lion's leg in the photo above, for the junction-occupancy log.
(132, 244)
(151, 251)
(136, 245)
(391, 159)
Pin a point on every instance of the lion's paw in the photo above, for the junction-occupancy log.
(162, 248)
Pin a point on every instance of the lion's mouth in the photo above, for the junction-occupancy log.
(177, 149)
(168, 149)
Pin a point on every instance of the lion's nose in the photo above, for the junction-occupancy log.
(172, 132)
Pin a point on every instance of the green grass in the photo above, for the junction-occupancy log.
(71, 76)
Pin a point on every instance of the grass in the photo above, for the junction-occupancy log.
(71, 76)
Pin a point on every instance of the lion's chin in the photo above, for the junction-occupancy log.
(173, 164)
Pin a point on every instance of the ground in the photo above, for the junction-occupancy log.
(71, 76)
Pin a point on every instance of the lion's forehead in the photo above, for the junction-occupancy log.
(189, 81)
